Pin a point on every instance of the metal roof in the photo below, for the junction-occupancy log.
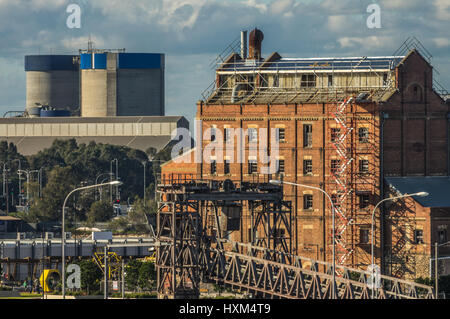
(438, 188)
(32, 145)
(107, 119)
(316, 64)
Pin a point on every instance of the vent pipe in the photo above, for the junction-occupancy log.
(244, 45)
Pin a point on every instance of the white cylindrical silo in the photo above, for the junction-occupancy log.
(94, 86)
(52, 80)
(122, 84)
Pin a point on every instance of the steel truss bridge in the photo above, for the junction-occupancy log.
(194, 215)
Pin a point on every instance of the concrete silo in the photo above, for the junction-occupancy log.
(122, 84)
(52, 80)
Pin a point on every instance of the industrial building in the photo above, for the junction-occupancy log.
(360, 128)
(100, 95)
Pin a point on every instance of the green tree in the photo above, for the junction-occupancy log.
(142, 214)
(147, 275)
(100, 212)
(119, 224)
(91, 275)
(132, 274)
(60, 183)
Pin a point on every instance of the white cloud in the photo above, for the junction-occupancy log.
(75, 43)
(34, 5)
(368, 43)
(442, 9)
(262, 7)
(338, 22)
(441, 42)
(400, 4)
(281, 6)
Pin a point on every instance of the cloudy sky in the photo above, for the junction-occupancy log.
(193, 32)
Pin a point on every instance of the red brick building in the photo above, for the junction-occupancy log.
(339, 124)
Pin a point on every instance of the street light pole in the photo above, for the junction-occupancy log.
(144, 163)
(278, 182)
(96, 182)
(20, 183)
(420, 194)
(63, 239)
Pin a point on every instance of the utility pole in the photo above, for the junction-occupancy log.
(436, 269)
(123, 278)
(106, 273)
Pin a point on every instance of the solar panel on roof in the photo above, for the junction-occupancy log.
(363, 63)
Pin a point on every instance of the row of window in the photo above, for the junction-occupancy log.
(252, 134)
(252, 167)
(363, 135)
(364, 236)
(307, 166)
(363, 199)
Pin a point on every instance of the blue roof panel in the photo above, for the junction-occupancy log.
(438, 188)
(49, 62)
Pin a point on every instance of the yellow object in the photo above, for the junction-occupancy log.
(151, 258)
(48, 279)
(114, 264)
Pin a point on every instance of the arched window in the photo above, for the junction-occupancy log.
(417, 93)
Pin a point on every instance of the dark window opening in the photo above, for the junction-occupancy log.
(363, 135)
(252, 166)
(335, 134)
(307, 201)
(335, 164)
(442, 236)
(280, 166)
(307, 135)
(364, 201)
(308, 80)
(385, 79)
(213, 167)
(307, 167)
(226, 167)
(364, 236)
(363, 166)
(280, 134)
(418, 236)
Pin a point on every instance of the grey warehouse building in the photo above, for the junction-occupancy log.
(31, 135)
(105, 96)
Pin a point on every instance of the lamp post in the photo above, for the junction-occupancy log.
(4, 178)
(116, 177)
(96, 182)
(420, 194)
(278, 182)
(63, 239)
(144, 163)
(20, 181)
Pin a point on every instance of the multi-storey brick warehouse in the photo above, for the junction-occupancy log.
(341, 125)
